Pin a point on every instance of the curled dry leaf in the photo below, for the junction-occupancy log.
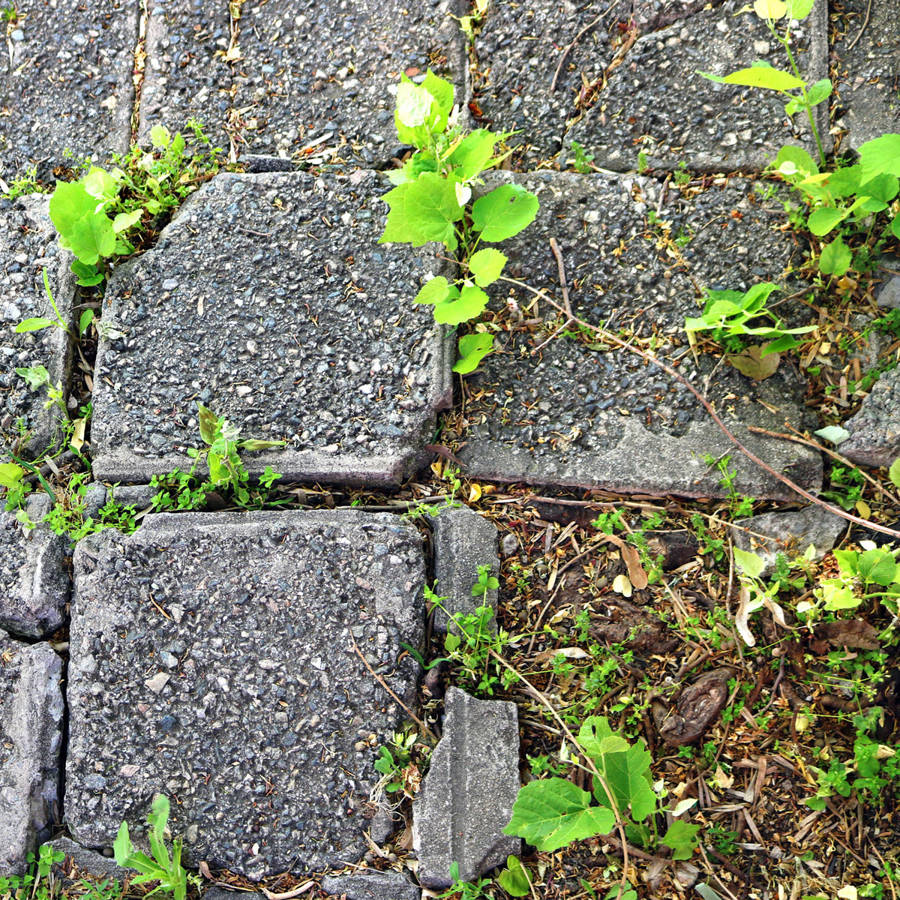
(855, 633)
(696, 708)
(745, 607)
(567, 652)
(632, 559)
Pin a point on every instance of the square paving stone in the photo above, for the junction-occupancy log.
(648, 95)
(868, 71)
(31, 720)
(27, 246)
(269, 300)
(34, 581)
(212, 659)
(66, 82)
(186, 74)
(581, 415)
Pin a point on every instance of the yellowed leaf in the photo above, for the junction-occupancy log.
(722, 778)
(437, 468)
(474, 492)
(770, 9)
(77, 440)
(622, 585)
(863, 509)
(754, 365)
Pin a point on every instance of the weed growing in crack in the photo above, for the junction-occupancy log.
(432, 202)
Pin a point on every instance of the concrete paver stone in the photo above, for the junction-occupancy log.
(212, 659)
(65, 83)
(31, 721)
(372, 886)
(467, 797)
(27, 245)
(34, 583)
(583, 415)
(875, 429)
(288, 319)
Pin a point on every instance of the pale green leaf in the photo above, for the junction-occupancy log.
(504, 212)
(422, 211)
(759, 76)
(880, 155)
(471, 303)
(83, 230)
(209, 424)
(877, 566)
(472, 349)
(10, 475)
(771, 10)
(819, 92)
(554, 812)
(486, 266)
(800, 9)
(35, 324)
(821, 221)
(472, 155)
(124, 221)
(437, 290)
(514, 879)
(836, 258)
(442, 92)
(833, 433)
(682, 838)
(100, 185)
(751, 564)
(160, 136)
(802, 161)
(894, 472)
(413, 104)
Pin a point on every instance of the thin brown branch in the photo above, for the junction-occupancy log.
(565, 54)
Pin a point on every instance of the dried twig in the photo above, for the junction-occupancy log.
(865, 23)
(565, 54)
(561, 269)
(649, 357)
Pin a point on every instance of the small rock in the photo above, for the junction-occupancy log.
(372, 886)
(467, 797)
(509, 545)
(158, 682)
(889, 295)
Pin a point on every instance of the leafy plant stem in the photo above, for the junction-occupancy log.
(625, 345)
(36, 472)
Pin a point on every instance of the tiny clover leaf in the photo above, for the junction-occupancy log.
(486, 266)
(472, 349)
(553, 812)
(423, 210)
(504, 212)
(682, 838)
(471, 302)
(759, 76)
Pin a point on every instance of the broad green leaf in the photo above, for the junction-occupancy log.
(759, 76)
(848, 562)
(895, 227)
(836, 258)
(472, 349)
(878, 566)
(594, 729)
(124, 221)
(802, 161)
(504, 212)
(514, 879)
(836, 596)
(770, 9)
(85, 275)
(442, 91)
(880, 155)
(35, 376)
(35, 324)
(84, 320)
(100, 185)
(486, 266)
(894, 472)
(471, 303)
(413, 104)
(473, 153)
(800, 9)
(628, 777)
(160, 136)
(553, 812)
(83, 230)
(209, 424)
(755, 298)
(422, 211)
(821, 221)
(819, 92)
(435, 291)
(10, 475)
(751, 564)
(844, 182)
(682, 838)
(882, 187)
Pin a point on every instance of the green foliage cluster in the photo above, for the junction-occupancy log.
(553, 812)
(432, 202)
(98, 216)
(34, 884)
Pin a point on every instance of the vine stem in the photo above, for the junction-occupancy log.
(649, 357)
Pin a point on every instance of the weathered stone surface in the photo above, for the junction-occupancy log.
(875, 430)
(186, 74)
(286, 318)
(218, 893)
(653, 99)
(34, 584)
(463, 541)
(312, 72)
(65, 83)
(372, 886)
(82, 863)
(212, 659)
(467, 797)
(28, 245)
(788, 533)
(656, 101)
(583, 415)
(31, 718)
(869, 71)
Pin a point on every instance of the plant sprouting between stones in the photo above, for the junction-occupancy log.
(432, 201)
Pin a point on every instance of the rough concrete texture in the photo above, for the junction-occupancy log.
(212, 659)
(65, 83)
(34, 583)
(187, 74)
(372, 886)
(82, 863)
(875, 430)
(869, 71)
(656, 101)
(31, 719)
(27, 246)
(463, 541)
(788, 533)
(581, 414)
(467, 797)
(631, 78)
(289, 320)
(313, 73)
